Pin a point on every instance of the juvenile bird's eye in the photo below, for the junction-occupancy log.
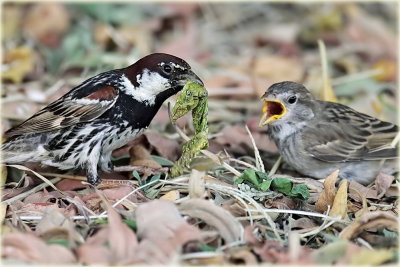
(292, 99)
(167, 68)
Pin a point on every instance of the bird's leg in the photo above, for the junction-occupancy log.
(105, 163)
(91, 164)
(93, 178)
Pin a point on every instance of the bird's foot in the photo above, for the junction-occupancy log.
(93, 179)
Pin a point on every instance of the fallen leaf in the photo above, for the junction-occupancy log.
(52, 218)
(171, 195)
(165, 147)
(28, 248)
(228, 226)
(328, 194)
(339, 207)
(304, 223)
(382, 182)
(47, 22)
(285, 69)
(140, 156)
(330, 253)
(162, 231)
(116, 244)
(18, 62)
(364, 191)
(368, 221)
(372, 257)
(196, 184)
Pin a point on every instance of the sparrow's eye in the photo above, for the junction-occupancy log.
(292, 99)
(167, 68)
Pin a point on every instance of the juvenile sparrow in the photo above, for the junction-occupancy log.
(83, 127)
(317, 137)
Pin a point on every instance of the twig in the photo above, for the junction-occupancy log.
(76, 217)
(23, 168)
(259, 162)
(31, 191)
(275, 167)
(327, 91)
(126, 196)
(300, 212)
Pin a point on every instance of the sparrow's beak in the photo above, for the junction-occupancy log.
(188, 76)
(272, 111)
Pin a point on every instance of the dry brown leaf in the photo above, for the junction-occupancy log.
(18, 63)
(339, 207)
(364, 191)
(52, 218)
(140, 156)
(171, 195)
(228, 226)
(47, 22)
(163, 232)
(196, 184)
(165, 147)
(368, 221)
(304, 223)
(242, 256)
(274, 252)
(328, 194)
(115, 244)
(383, 182)
(28, 248)
(284, 68)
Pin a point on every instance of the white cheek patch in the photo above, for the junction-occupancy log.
(150, 85)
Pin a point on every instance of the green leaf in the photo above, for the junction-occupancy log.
(205, 247)
(162, 161)
(282, 185)
(60, 242)
(131, 223)
(101, 221)
(239, 180)
(265, 185)
(262, 175)
(300, 190)
(250, 176)
(136, 175)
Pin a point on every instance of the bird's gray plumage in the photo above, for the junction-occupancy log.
(317, 137)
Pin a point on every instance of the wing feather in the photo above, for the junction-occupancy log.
(69, 110)
(351, 136)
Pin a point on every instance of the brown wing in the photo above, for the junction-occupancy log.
(69, 110)
(351, 136)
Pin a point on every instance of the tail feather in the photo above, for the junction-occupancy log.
(21, 149)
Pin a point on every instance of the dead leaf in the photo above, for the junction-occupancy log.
(115, 244)
(371, 257)
(228, 226)
(364, 191)
(52, 218)
(162, 231)
(328, 194)
(140, 156)
(47, 22)
(165, 147)
(285, 69)
(304, 223)
(18, 62)
(196, 184)
(339, 207)
(28, 248)
(368, 221)
(382, 182)
(273, 252)
(242, 256)
(172, 195)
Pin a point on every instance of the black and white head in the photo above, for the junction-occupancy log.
(156, 77)
(287, 102)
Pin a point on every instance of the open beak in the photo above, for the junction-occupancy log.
(272, 111)
(186, 77)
